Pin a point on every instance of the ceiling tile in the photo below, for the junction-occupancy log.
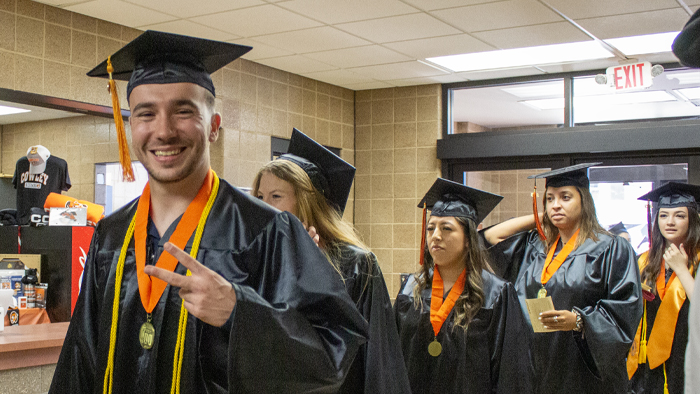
(359, 56)
(402, 70)
(255, 21)
(190, 29)
(635, 24)
(119, 12)
(338, 77)
(339, 11)
(429, 5)
(260, 50)
(60, 3)
(494, 74)
(594, 8)
(189, 8)
(399, 28)
(312, 40)
(296, 64)
(368, 85)
(530, 36)
(428, 80)
(499, 15)
(440, 46)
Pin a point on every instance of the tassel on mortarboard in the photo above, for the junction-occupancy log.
(540, 230)
(649, 223)
(421, 257)
(124, 155)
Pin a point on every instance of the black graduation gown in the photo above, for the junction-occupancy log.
(294, 328)
(378, 367)
(646, 381)
(598, 279)
(492, 356)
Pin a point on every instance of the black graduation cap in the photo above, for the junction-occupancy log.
(673, 194)
(568, 176)
(617, 229)
(686, 46)
(160, 58)
(448, 198)
(330, 175)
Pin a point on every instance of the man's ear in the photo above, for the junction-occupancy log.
(215, 127)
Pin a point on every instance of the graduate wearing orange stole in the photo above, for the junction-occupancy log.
(656, 361)
(460, 325)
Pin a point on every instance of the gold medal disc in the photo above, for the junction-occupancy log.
(435, 348)
(146, 335)
(542, 293)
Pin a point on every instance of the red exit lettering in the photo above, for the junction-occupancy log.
(633, 76)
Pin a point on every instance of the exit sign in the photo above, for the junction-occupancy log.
(629, 76)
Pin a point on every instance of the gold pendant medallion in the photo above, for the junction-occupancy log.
(147, 334)
(435, 348)
(542, 293)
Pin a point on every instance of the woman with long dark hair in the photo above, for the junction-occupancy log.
(591, 277)
(461, 327)
(656, 361)
(313, 184)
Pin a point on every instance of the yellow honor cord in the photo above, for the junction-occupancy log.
(643, 338)
(179, 347)
(182, 328)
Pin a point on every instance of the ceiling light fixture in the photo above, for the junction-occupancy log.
(648, 43)
(11, 110)
(519, 57)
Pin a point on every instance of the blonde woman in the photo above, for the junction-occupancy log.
(313, 184)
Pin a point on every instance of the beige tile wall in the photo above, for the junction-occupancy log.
(47, 50)
(396, 139)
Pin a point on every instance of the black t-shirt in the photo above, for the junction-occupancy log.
(32, 189)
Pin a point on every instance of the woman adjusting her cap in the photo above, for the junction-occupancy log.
(655, 363)
(461, 327)
(592, 280)
(313, 183)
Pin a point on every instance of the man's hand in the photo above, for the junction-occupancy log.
(207, 295)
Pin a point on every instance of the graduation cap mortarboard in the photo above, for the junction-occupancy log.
(686, 46)
(568, 176)
(448, 198)
(617, 229)
(674, 194)
(330, 175)
(162, 58)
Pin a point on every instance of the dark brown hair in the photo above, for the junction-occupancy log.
(588, 222)
(472, 298)
(658, 245)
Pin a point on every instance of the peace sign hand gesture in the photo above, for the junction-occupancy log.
(206, 294)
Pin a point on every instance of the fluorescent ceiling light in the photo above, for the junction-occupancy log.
(11, 110)
(689, 93)
(518, 57)
(685, 78)
(603, 100)
(648, 43)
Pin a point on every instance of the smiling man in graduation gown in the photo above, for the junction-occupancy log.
(195, 286)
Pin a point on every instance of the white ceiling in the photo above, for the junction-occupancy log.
(35, 114)
(366, 44)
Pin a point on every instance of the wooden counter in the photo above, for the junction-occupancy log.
(33, 345)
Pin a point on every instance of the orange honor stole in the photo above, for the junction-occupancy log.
(657, 349)
(439, 310)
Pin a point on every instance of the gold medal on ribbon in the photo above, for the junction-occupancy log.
(147, 334)
(435, 348)
(542, 293)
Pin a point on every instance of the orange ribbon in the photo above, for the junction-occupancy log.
(550, 267)
(152, 288)
(439, 310)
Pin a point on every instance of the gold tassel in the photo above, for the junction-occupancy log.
(643, 338)
(421, 257)
(665, 380)
(540, 230)
(124, 155)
